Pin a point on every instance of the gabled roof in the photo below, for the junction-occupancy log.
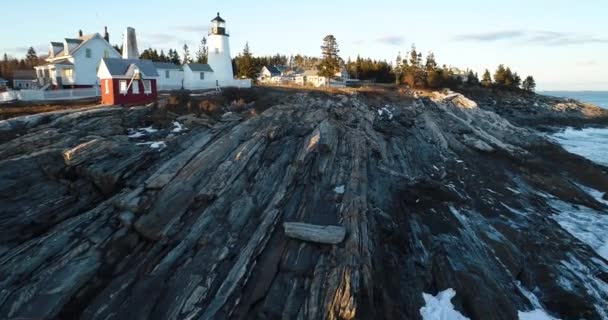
(24, 74)
(167, 66)
(273, 70)
(63, 62)
(199, 67)
(80, 43)
(218, 18)
(126, 67)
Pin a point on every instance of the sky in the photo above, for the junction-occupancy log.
(562, 43)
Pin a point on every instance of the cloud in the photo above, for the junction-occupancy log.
(197, 28)
(588, 63)
(542, 38)
(491, 36)
(390, 40)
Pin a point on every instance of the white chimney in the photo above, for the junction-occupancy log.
(129, 45)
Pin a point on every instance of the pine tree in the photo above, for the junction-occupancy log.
(203, 52)
(163, 57)
(330, 64)
(245, 64)
(500, 75)
(529, 84)
(472, 78)
(186, 57)
(516, 80)
(174, 57)
(486, 80)
(431, 64)
(31, 57)
(508, 82)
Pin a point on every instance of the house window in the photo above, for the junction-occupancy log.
(147, 86)
(88, 53)
(107, 86)
(123, 87)
(167, 74)
(135, 86)
(67, 73)
(202, 76)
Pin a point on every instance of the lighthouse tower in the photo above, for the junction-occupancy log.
(219, 52)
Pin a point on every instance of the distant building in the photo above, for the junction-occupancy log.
(73, 62)
(269, 72)
(24, 79)
(127, 81)
(200, 76)
(3, 83)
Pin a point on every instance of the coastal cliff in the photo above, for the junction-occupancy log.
(296, 204)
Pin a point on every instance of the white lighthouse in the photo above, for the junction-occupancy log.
(219, 52)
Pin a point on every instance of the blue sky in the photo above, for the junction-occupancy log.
(563, 43)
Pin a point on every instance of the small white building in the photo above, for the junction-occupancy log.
(24, 79)
(73, 62)
(3, 83)
(268, 73)
(171, 76)
(199, 76)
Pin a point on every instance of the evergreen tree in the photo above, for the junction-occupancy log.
(529, 84)
(398, 68)
(500, 75)
(330, 63)
(31, 57)
(472, 78)
(245, 64)
(431, 64)
(174, 57)
(486, 80)
(186, 56)
(203, 52)
(516, 80)
(508, 82)
(162, 56)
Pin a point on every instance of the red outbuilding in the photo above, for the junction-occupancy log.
(127, 81)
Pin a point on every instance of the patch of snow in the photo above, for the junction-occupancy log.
(135, 134)
(585, 224)
(154, 144)
(148, 129)
(177, 127)
(440, 307)
(140, 132)
(386, 111)
(537, 314)
(339, 189)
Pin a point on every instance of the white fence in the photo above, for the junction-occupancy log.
(44, 95)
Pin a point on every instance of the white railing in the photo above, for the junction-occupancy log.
(44, 95)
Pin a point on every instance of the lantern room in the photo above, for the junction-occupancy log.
(218, 26)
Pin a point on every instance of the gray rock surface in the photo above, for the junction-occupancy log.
(443, 193)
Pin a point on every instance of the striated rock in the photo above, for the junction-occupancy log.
(314, 233)
(229, 219)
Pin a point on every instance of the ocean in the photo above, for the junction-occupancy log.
(599, 98)
(591, 143)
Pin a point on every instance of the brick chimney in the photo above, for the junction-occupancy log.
(80, 33)
(106, 35)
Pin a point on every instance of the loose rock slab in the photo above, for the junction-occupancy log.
(315, 233)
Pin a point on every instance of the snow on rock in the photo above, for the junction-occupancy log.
(177, 127)
(339, 189)
(154, 144)
(386, 112)
(440, 307)
(140, 132)
(537, 314)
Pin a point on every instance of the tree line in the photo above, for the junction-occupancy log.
(9, 64)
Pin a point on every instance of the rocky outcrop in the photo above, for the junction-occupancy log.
(321, 206)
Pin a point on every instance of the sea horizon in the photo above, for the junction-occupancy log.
(598, 98)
